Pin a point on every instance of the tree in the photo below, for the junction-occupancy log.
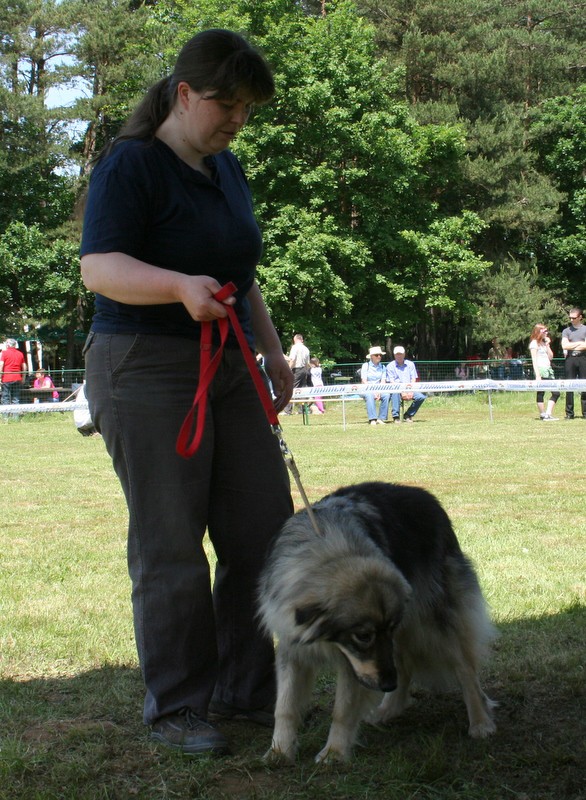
(119, 55)
(33, 140)
(40, 283)
(510, 302)
(558, 136)
(487, 66)
(339, 170)
(108, 46)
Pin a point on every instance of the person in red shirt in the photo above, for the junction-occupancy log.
(13, 371)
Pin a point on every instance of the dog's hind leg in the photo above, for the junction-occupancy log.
(295, 680)
(351, 703)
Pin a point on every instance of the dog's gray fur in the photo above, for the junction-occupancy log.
(384, 596)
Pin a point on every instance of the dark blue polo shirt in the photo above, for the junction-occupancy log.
(146, 202)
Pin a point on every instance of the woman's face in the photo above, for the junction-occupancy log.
(210, 124)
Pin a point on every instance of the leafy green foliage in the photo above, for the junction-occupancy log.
(410, 143)
(509, 75)
(510, 302)
(117, 49)
(558, 135)
(39, 279)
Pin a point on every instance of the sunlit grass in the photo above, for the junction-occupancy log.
(70, 692)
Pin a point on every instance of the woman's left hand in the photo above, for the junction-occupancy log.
(281, 378)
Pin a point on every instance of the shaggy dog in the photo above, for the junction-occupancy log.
(384, 595)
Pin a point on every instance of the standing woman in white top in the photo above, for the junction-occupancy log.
(541, 356)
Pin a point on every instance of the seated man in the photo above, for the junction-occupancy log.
(401, 370)
(373, 372)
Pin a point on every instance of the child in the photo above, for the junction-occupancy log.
(316, 380)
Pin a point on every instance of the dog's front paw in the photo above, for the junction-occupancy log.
(279, 758)
(391, 707)
(482, 729)
(330, 755)
(373, 717)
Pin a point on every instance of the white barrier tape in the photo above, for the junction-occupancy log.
(42, 408)
(352, 389)
(346, 389)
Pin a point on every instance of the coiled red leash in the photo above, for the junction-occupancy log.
(189, 439)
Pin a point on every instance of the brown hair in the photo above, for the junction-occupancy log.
(218, 61)
(537, 332)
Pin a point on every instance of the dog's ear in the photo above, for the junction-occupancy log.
(313, 618)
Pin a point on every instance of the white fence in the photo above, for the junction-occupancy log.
(356, 391)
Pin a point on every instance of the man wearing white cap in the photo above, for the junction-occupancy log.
(401, 370)
(373, 372)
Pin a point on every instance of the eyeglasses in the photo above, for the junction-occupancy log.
(577, 317)
(377, 355)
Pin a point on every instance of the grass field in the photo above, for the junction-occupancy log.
(71, 693)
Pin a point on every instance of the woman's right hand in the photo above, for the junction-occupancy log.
(196, 292)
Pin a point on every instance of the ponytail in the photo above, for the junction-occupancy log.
(152, 110)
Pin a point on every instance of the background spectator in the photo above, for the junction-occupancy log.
(12, 371)
(315, 374)
(574, 347)
(299, 362)
(541, 356)
(497, 355)
(404, 371)
(43, 381)
(373, 371)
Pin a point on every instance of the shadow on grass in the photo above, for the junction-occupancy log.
(81, 736)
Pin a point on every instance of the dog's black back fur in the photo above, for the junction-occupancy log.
(412, 527)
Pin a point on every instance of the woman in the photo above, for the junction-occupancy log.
(43, 381)
(168, 221)
(541, 356)
(373, 371)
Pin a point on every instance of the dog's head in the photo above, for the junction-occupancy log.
(359, 607)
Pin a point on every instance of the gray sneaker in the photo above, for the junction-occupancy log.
(186, 732)
(261, 716)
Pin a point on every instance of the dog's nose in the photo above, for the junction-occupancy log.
(388, 686)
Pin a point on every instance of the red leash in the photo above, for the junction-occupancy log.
(189, 439)
(207, 369)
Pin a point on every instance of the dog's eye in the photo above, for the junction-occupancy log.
(392, 626)
(364, 638)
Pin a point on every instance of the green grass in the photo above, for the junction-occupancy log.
(71, 693)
